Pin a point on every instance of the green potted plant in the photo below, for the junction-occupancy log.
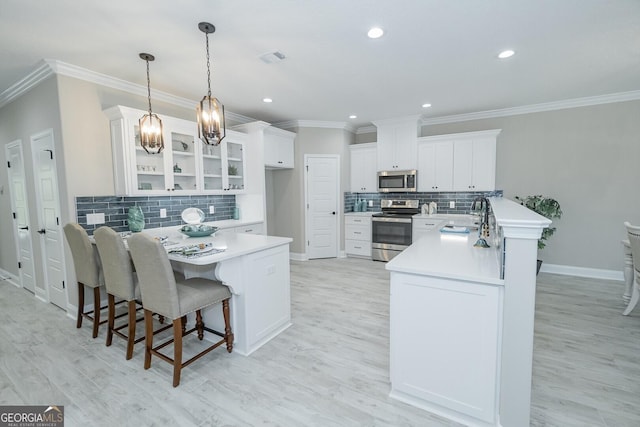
(548, 208)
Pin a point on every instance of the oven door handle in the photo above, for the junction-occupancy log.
(387, 219)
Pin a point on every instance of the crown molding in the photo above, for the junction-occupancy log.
(366, 129)
(40, 73)
(48, 67)
(537, 108)
(289, 124)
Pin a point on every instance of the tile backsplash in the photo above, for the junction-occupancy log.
(463, 200)
(115, 209)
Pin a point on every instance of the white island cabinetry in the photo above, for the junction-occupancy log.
(461, 320)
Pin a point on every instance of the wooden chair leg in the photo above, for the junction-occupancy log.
(228, 333)
(111, 318)
(131, 335)
(96, 310)
(80, 305)
(177, 351)
(148, 339)
(199, 325)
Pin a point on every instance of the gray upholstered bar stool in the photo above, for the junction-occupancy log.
(172, 296)
(87, 267)
(633, 232)
(121, 282)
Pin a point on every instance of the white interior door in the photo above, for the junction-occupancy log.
(20, 209)
(48, 208)
(322, 191)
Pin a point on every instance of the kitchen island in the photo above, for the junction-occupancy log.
(461, 320)
(256, 270)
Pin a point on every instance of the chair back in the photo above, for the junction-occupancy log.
(155, 275)
(85, 257)
(116, 264)
(633, 233)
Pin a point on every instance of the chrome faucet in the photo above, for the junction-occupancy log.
(483, 229)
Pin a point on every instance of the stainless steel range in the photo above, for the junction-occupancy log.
(391, 229)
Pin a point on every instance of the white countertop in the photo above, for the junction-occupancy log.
(234, 244)
(368, 213)
(450, 255)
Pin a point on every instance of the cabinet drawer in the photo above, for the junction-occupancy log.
(358, 232)
(357, 220)
(425, 224)
(357, 247)
(251, 229)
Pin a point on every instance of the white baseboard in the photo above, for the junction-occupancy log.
(14, 280)
(594, 273)
(294, 256)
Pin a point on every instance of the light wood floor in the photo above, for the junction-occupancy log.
(329, 369)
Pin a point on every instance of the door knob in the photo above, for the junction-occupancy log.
(24, 228)
(333, 213)
(42, 231)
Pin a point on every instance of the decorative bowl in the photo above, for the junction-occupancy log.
(198, 230)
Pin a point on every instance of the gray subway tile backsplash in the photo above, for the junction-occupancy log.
(463, 200)
(115, 209)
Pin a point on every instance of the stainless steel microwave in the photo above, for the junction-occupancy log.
(397, 181)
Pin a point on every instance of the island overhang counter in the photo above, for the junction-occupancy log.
(256, 270)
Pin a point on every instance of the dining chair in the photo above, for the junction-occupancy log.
(121, 282)
(87, 267)
(169, 294)
(633, 232)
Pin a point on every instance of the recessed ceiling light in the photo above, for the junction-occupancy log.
(426, 105)
(267, 100)
(375, 32)
(506, 54)
(353, 116)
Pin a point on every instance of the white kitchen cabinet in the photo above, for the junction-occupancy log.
(435, 165)
(474, 161)
(185, 166)
(363, 167)
(421, 226)
(397, 143)
(257, 228)
(278, 148)
(224, 165)
(357, 235)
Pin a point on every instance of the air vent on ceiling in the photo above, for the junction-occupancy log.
(272, 57)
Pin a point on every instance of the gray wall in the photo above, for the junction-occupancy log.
(287, 186)
(34, 112)
(587, 159)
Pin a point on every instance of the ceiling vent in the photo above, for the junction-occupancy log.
(272, 57)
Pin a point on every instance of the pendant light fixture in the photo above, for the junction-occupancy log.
(210, 111)
(151, 134)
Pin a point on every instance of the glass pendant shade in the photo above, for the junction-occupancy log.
(210, 111)
(211, 126)
(151, 132)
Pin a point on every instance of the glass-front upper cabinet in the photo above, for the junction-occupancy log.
(224, 165)
(185, 166)
(235, 165)
(184, 146)
(149, 173)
